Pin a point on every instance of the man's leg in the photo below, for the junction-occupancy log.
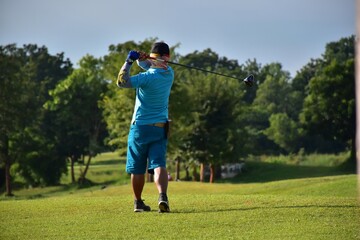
(137, 182)
(157, 161)
(161, 181)
(136, 165)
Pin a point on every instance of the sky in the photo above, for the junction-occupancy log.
(290, 32)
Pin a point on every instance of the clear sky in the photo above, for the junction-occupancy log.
(290, 32)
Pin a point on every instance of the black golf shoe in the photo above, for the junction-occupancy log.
(139, 206)
(163, 203)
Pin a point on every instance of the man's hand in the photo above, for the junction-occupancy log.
(132, 56)
(143, 56)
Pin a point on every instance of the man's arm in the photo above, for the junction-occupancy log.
(123, 79)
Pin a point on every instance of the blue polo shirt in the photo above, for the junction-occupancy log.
(152, 95)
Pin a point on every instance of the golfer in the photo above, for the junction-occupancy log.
(147, 139)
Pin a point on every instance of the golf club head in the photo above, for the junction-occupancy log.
(249, 80)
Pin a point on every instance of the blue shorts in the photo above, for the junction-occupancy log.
(146, 148)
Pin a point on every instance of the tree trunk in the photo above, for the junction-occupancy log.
(187, 176)
(8, 178)
(194, 175)
(86, 167)
(202, 172)
(177, 174)
(83, 174)
(72, 162)
(352, 160)
(212, 173)
(4, 151)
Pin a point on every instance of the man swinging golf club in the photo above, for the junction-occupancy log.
(147, 139)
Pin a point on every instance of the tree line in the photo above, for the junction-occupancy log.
(52, 114)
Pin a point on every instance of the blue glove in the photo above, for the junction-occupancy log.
(132, 56)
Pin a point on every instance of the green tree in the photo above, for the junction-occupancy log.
(210, 107)
(329, 108)
(283, 131)
(273, 93)
(272, 96)
(27, 74)
(80, 129)
(13, 109)
(299, 87)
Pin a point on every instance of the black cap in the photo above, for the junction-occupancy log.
(160, 48)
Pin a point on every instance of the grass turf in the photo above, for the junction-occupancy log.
(308, 208)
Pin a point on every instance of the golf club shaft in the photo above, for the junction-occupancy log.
(196, 68)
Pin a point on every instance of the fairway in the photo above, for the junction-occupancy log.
(310, 208)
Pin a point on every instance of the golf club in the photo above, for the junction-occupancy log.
(249, 80)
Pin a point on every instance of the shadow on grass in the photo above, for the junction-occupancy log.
(58, 190)
(257, 172)
(109, 162)
(264, 207)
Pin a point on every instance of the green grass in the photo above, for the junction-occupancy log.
(275, 198)
(105, 168)
(275, 168)
(312, 208)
